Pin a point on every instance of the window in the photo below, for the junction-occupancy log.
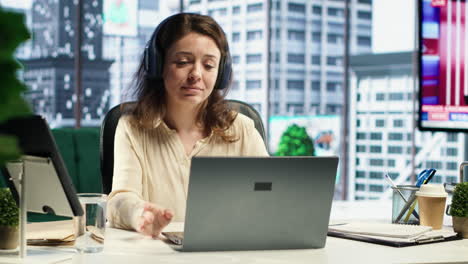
(360, 148)
(364, 15)
(296, 84)
(317, 10)
(379, 96)
(375, 175)
(334, 61)
(254, 58)
(316, 37)
(316, 59)
(296, 58)
(452, 152)
(275, 57)
(253, 84)
(335, 38)
(360, 174)
(434, 164)
(375, 188)
(296, 35)
(391, 163)
(379, 123)
(254, 8)
(368, 2)
(235, 36)
(254, 35)
(297, 109)
(376, 162)
(315, 85)
(375, 136)
(395, 149)
(452, 137)
(337, 12)
(296, 8)
(360, 135)
(375, 149)
(236, 10)
(333, 86)
(452, 165)
(360, 187)
(235, 85)
(395, 136)
(364, 41)
(235, 59)
(398, 123)
(395, 96)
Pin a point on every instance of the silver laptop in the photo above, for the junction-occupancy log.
(257, 203)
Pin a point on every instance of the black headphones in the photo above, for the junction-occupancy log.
(154, 59)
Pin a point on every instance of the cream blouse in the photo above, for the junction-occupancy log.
(151, 165)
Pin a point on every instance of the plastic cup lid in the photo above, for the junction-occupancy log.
(432, 190)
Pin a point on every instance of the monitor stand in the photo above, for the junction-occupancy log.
(35, 177)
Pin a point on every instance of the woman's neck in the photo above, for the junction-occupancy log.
(182, 118)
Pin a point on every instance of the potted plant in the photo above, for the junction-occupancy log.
(459, 209)
(13, 32)
(9, 214)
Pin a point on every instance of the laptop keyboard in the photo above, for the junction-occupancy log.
(175, 237)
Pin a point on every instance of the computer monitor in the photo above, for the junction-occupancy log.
(49, 188)
(443, 65)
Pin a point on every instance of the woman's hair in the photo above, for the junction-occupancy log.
(214, 115)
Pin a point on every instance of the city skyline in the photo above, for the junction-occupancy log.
(382, 31)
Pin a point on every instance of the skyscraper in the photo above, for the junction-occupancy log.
(49, 71)
(381, 135)
(304, 73)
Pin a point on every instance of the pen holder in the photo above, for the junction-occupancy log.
(403, 199)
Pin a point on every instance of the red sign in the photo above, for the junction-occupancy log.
(439, 3)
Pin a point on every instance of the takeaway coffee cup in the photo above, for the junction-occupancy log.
(431, 200)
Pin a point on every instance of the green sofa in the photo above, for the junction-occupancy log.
(80, 152)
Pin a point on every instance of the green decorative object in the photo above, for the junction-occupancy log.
(459, 209)
(13, 32)
(295, 142)
(459, 206)
(9, 220)
(9, 211)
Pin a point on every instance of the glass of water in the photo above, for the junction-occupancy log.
(90, 227)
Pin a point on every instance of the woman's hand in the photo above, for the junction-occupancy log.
(153, 220)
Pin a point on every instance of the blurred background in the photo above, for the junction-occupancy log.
(329, 77)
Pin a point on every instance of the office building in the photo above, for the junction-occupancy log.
(126, 51)
(49, 68)
(381, 129)
(305, 65)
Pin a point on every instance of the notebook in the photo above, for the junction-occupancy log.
(396, 235)
(257, 203)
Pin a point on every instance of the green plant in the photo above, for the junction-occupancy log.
(9, 212)
(295, 142)
(459, 206)
(12, 33)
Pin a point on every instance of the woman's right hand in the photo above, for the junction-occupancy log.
(153, 220)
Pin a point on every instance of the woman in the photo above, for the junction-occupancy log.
(180, 113)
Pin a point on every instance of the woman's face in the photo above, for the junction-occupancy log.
(190, 69)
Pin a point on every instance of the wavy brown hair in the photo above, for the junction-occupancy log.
(214, 115)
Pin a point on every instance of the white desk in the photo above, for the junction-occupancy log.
(129, 247)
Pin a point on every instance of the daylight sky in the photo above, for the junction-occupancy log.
(392, 26)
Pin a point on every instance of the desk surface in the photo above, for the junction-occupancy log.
(129, 247)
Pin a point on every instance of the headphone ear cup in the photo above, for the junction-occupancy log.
(225, 74)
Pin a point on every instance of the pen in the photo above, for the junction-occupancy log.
(389, 180)
(422, 176)
(425, 178)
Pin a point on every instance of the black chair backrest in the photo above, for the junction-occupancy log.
(109, 124)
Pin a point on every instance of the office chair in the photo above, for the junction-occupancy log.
(109, 124)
